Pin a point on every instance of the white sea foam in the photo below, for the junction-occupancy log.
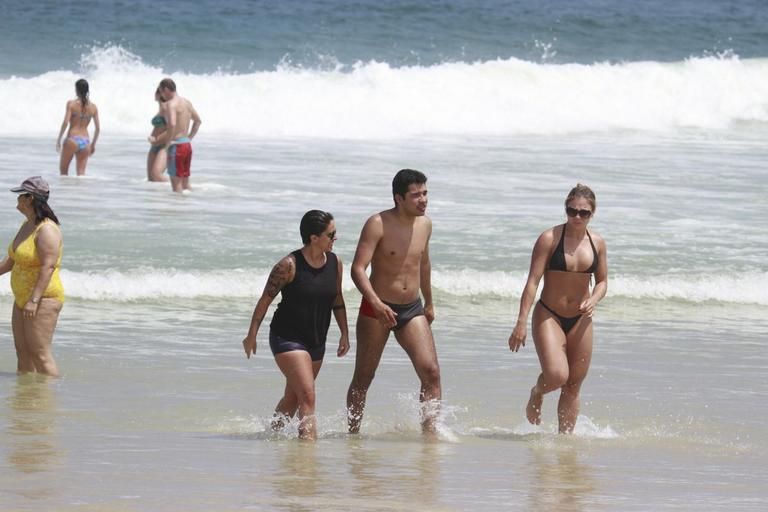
(152, 283)
(375, 100)
(741, 288)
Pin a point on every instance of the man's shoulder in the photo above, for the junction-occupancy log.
(380, 217)
(374, 222)
(176, 102)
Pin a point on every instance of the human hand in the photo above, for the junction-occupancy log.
(385, 315)
(152, 140)
(29, 310)
(429, 312)
(343, 345)
(249, 345)
(587, 308)
(93, 147)
(58, 146)
(517, 338)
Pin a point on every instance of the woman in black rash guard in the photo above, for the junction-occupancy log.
(309, 280)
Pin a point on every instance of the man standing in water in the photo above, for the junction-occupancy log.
(179, 135)
(396, 245)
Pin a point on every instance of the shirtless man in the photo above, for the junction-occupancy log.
(178, 136)
(396, 245)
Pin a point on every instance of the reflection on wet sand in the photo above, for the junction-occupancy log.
(396, 476)
(298, 482)
(358, 475)
(32, 447)
(560, 481)
(365, 468)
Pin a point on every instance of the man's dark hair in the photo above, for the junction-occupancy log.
(405, 178)
(167, 83)
(314, 222)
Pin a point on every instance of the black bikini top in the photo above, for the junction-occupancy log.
(557, 260)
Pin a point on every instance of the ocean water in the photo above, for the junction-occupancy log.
(661, 109)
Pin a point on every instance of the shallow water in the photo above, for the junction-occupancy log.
(662, 108)
(158, 405)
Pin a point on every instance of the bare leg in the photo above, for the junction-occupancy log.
(296, 365)
(156, 164)
(549, 339)
(82, 159)
(535, 401)
(68, 150)
(185, 184)
(160, 165)
(151, 159)
(176, 184)
(24, 358)
(39, 336)
(579, 351)
(289, 403)
(416, 338)
(371, 339)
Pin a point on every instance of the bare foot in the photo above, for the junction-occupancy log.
(533, 409)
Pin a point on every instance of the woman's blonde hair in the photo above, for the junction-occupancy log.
(582, 191)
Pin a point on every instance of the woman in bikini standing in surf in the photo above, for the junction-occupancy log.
(157, 158)
(567, 256)
(78, 116)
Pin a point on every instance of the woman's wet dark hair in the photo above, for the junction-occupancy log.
(43, 210)
(81, 88)
(314, 222)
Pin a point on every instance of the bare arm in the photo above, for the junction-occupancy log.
(6, 265)
(282, 274)
(371, 235)
(96, 129)
(601, 281)
(340, 313)
(538, 267)
(64, 125)
(425, 278)
(196, 122)
(48, 245)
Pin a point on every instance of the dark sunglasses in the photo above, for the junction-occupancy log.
(331, 235)
(25, 195)
(572, 212)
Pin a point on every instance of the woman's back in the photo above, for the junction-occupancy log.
(79, 117)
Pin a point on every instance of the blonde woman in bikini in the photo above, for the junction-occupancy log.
(78, 116)
(34, 258)
(568, 257)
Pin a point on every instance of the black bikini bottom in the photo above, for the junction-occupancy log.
(565, 323)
